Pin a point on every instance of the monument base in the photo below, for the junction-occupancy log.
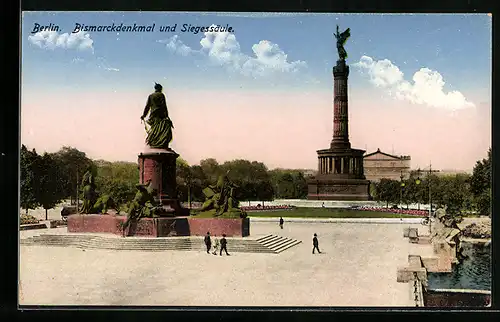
(158, 227)
(331, 188)
(158, 166)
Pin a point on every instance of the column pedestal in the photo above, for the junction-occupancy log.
(159, 166)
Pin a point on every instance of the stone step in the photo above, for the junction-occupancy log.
(266, 244)
(249, 250)
(147, 245)
(288, 245)
(277, 243)
(271, 241)
(135, 247)
(263, 239)
(90, 243)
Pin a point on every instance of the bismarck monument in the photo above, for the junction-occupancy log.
(340, 168)
(157, 163)
(155, 210)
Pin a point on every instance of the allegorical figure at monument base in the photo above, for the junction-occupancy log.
(159, 133)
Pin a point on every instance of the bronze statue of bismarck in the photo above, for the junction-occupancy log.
(159, 133)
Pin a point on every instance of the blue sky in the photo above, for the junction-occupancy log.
(458, 46)
(273, 67)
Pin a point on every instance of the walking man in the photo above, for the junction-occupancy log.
(216, 245)
(315, 243)
(208, 242)
(223, 245)
(281, 222)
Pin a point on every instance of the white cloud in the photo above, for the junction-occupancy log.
(52, 39)
(102, 63)
(175, 45)
(426, 88)
(223, 49)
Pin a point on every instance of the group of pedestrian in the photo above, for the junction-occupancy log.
(315, 237)
(222, 244)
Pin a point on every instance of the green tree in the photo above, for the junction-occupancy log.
(373, 190)
(198, 182)
(48, 191)
(252, 178)
(436, 186)
(74, 164)
(117, 179)
(284, 183)
(27, 165)
(455, 192)
(288, 183)
(300, 184)
(388, 191)
(183, 180)
(480, 185)
(211, 169)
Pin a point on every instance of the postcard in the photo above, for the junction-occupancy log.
(216, 159)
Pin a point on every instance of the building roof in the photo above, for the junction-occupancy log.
(386, 154)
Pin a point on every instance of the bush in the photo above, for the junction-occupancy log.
(28, 219)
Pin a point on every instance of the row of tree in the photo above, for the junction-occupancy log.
(461, 192)
(49, 178)
(254, 180)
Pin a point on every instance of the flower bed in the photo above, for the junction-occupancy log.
(396, 211)
(28, 219)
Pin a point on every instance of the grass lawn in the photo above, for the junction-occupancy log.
(211, 214)
(327, 213)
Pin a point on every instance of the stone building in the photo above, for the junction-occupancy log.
(378, 165)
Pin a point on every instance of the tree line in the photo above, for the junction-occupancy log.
(49, 178)
(461, 193)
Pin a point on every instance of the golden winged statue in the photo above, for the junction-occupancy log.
(341, 40)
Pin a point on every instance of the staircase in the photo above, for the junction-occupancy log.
(276, 243)
(268, 244)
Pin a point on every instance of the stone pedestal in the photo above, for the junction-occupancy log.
(340, 168)
(159, 166)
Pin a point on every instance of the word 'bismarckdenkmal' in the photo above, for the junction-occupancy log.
(134, 28)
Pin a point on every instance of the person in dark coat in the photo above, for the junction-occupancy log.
(208, 242)
(315, 243)
(281, 222)
(223, 245)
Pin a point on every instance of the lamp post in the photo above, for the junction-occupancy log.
(430, 196)
(401, 195)
(189, 191)
(77, 192)
(417, 182)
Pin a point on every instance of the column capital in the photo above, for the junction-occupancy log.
(341, 69)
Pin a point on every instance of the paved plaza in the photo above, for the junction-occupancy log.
(357, 268)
